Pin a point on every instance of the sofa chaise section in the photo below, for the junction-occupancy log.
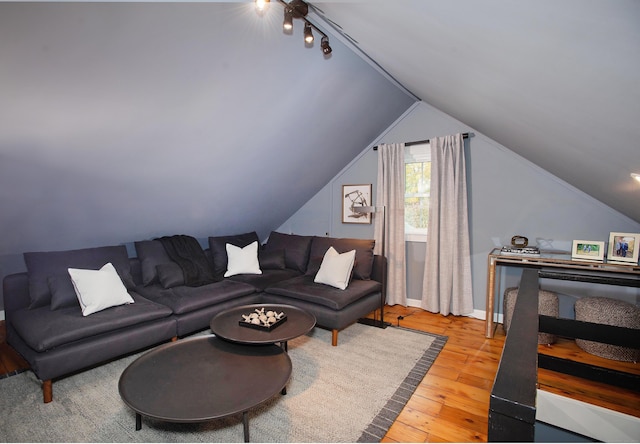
(56, 343)
(334, 309)
(45, 322)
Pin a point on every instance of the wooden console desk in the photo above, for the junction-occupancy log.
(556, 265)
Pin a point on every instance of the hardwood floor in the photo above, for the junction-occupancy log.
(10, 361)
(452, 402)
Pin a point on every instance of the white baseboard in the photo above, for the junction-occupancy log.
(478, 314)
(586, 419)
(1, 315)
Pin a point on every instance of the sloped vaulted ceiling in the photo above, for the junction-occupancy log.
(556, 81)
(121, 121)
(125, 121)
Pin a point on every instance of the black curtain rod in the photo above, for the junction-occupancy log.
(420, 142)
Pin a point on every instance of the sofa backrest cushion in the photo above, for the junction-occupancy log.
(45, 264)
(151, 254)
(364, 254)
(218, 249)
(296, 249)
(272, 259)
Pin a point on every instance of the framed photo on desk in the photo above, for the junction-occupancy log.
(623, 247)
(586, 250)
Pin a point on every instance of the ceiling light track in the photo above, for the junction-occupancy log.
(298, 9)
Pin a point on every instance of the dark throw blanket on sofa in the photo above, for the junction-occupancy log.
(189, 255)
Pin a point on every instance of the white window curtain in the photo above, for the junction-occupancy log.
(447, 275)
(390, 194)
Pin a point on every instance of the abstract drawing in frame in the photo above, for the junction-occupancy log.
(355, 196)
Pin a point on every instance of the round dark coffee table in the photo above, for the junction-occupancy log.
(203, 378)
(227, 326)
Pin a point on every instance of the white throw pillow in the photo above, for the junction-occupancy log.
(335, 269)
(99, 289)
(242, 260)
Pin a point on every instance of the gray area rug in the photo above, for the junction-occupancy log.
(352, 392)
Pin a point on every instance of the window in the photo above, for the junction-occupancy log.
(417, 176)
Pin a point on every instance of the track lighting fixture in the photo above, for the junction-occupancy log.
(308, 35)
(261, 5)
(324, 44)
(298, 9)
(287, 25)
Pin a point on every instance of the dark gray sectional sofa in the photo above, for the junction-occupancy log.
(45, 324)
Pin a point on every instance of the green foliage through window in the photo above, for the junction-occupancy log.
(417, 192)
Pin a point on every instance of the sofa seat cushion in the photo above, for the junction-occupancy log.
(43, 329)
(185, 299)
(267, 279)
(303, 288)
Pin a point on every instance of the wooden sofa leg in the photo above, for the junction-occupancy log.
(174, 339)
(47, 391)
(334, 337)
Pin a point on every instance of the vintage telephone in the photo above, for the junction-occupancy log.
(519, 241)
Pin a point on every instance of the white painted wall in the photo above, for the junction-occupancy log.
(508, 195)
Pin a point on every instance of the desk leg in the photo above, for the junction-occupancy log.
(245, 425)
(490, 302)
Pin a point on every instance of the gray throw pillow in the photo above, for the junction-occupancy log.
(170, 275)
(151, 253)
(296, 249)
(271, 260)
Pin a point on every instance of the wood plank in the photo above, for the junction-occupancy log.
(10, 360)
(568, 349)
(400, 432)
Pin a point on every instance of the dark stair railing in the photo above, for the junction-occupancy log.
(512, 406)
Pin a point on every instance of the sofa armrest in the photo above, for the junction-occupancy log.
(15, 290)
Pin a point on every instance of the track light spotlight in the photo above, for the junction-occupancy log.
(262, 5)
(308, 34)
(324, 44)
(287, 25)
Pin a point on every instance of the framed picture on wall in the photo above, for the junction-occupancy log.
(586, 250)
(623, 247)
(355, 196)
